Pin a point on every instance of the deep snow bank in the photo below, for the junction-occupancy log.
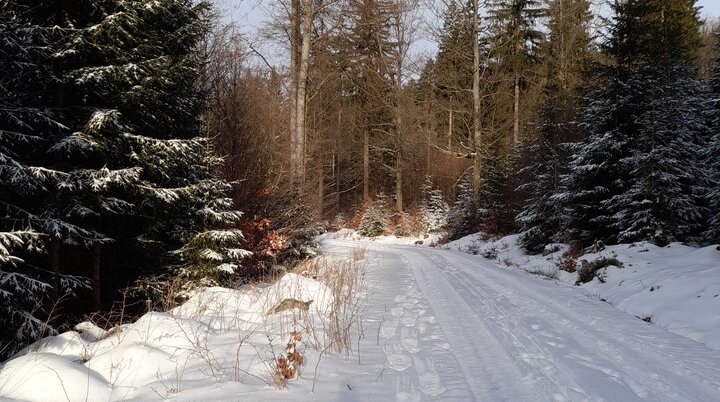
(219, 336)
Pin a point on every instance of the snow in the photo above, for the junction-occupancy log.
(349, 234)
(198, 344)
(437, 324)
(677, 287)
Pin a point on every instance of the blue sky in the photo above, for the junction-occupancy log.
(249, 14)
(710, 7)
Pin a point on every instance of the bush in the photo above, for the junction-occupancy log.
(589, 269)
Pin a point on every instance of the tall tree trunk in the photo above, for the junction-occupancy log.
(321, 188)
(336, 162)
(366, 162)
(97, 305)
(55, 264)
(477, 134)
(294, 46)
(516, 111)
(398, 162)
(303, 69)
(450, 128)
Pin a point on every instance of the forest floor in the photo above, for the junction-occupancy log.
(434, 324)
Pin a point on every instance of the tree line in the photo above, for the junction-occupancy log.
(536, 117)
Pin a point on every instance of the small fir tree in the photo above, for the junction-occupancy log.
(434, 209)
(375, 220)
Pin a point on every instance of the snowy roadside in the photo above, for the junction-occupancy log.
(220, 344)
(676, 287)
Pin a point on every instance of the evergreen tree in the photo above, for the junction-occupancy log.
(661, 203)
(612, 173)
(463, 216)
(515, 40)
(434, 209)
(453, 73)
(543, 217)
(711, 156)
(102, 151)
(375, 220)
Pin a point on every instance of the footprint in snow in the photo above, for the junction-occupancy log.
(404, 389)
(396, 359)
(388, 328)
(409, 320)
(428, 379)
(397, 311)
(409, 340)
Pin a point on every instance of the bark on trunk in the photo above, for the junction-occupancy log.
(303, 69)
(97, 305)
(55, 265)
(398, 163)
(477, 134)
(450, 129)
(516, 112)
(366, 163)
(294, 46)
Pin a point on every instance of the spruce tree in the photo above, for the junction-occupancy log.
(453, 73)
(103, 152)
(375, 219)
(661, 203)
(611, 175)
(711, 156)
(543, 218)
(515, 42)
(434, 209)
(464, 213)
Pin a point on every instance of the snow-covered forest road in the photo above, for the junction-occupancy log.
(451, 326)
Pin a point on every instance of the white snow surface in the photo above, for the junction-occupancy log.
(676, 287)
(439, 325)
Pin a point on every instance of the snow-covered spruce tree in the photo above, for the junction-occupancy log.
(661, 203)
(711, 155)
(434, 209)
(494, 199)
(661, 199)
(649, 40)
(541, 219)
(29, 177)
(595, 174)
(375, 220)
(464, 213)
(103, 151)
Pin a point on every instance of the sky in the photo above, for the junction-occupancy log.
(710, 7)
(249, 14)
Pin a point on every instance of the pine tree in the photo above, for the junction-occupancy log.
(103, 152)
(543, 218)
(608, 186)
(661, 204)
(463, 216)
(27, 179)
(516, 41)
(711, 156)
(453, 73)
(434, 209)
(495, 212)
(375, 220)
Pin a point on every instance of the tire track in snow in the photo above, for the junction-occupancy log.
(608, 356)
